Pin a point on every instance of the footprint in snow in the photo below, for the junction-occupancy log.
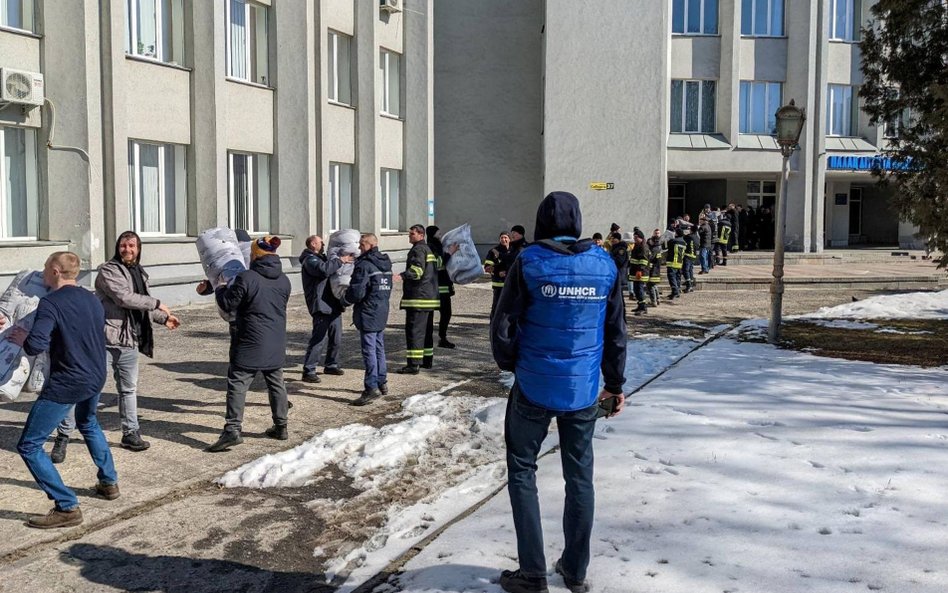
(673, 472)
(666, 462)
(816, 464)
(687, 412)
(650, 470)
(640, 456)
(766, 423)
(768, 437)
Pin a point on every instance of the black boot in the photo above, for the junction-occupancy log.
(641, 309)
(514, 581)
(427, 362)
(227, 440)
(409, 369)
(367, 397)
(572, 584)
(133, 442)
(278, 432)
(384, 388)
(58, 454)
(445, 343)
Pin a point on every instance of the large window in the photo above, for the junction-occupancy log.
(391, 83)
(695, 17)
(692, 106)
(840, 110)
(340, 64)
(892, 128)
(18, 183)
(155, 29)
(389, 192)
(762, 17)
(248, 188)
(17, 14)
(843, 20)
(247, 45)
(157, 188)
(761, 194)
(340, 196)
(759, 104)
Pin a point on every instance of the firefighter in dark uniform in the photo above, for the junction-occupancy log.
(445, 292)
(619, 252)
(639, 267)
(497, 263)
(654, 244)
(419, 298)
(721, 240)
(675, 259)
(691, 254)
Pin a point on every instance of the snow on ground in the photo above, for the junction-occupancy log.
(914, 305)
(744, 469)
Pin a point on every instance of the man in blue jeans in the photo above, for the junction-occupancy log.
(560, 322)
(68, 324)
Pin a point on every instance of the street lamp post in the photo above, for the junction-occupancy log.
(790, 120)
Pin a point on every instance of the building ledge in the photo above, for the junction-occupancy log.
(697, 142)
(757, 142)
(849, 144)
(26, 243)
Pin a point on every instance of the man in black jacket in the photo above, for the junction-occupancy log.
(258, 296)
(445, 289)
(370, 291)
(324, 307)
(419, 300)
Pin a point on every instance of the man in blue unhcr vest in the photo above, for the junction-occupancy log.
(559, 322)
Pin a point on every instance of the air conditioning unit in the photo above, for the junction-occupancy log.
(20, 87)
(390, 5)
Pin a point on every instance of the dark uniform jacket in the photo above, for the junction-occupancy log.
(691, 245)
(675, 256)
(317, 269)
(655, 259)
(705, 238)
(619, 251)
(445, 286)
(370, 291)
(639, 258)
(420, 279)
(498, 259)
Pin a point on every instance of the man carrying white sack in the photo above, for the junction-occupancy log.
(324, 307)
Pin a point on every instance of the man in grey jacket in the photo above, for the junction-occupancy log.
(122, 286)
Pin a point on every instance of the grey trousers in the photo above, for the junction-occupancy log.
(238, 382)
(124, 364)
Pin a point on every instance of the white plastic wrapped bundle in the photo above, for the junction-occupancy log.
(18, 306)
(342, 242)
(221, 255)
(464, 266)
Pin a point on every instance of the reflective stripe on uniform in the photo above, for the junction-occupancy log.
(497, 284)
(432, 258)
(420, 303)
(654, 279)
(412, 354)
(444, 289)
(417, 271)
(488, 262)
(429, 351)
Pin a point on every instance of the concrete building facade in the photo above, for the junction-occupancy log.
(288, 117)
(647, 109)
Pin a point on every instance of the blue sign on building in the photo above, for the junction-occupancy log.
(865, 163)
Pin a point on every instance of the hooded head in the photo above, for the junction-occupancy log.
(128, 248)
(432, 233)
(264, 246)
(558, 216)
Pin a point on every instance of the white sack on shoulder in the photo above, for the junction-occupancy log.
(464, 266)
(222, 256)
(342, 242)
(18, 308)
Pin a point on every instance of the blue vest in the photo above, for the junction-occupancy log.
(561, 331)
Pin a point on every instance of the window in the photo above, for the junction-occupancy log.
(692, 106)
(676, 199)
(247, 45)
(855, 211)
(17, 14)
(840, 110)
(248, 188)
(761, 194)
(157, 188)
(759, 104)
(892, 128)
(695, 17)
(18, 183)
(391, 83)
(762, 18)
(340, 63)
(155, 29)
(389, 194)
(340, 196)
(842, 20)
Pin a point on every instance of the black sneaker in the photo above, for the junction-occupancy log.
(227, 440)
(58, 454)
(310, 378)
(333, 371)
(573, 585)
(445, 343)
(384, 388)
(367, 397)
(133, 442)
(278, 432)
(514, 581)
(409, 369)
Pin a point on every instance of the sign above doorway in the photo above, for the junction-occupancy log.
(844, 162)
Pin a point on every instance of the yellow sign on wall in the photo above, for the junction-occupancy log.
(601, 185)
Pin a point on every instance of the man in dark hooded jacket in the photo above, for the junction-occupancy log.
(258, 296)
(445, 292)
(559, 323)
(370, 290)
(324, 307)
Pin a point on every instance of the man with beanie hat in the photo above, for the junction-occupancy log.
(419, 300)
(559, 323)
(517, 240)
(258, 296)
(122, 286)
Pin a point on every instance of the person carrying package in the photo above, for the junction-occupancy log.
(559, 323)
(68, 325)
(130, 310)
(419, 300)
(445, 287)
(497, 264)
(258, 297)
(370, 290)
(324, 307)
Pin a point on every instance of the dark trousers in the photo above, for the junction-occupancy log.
(429, 340)
(720, 253)
(525, 428)
(238, 382)
(373, 357)
(674, 280)
(417, 334)
(688, 272)
(444, 316)
(493, 304)
(327, 333)
(638, 290)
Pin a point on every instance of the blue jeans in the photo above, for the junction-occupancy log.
(703, 259)
(327, 334)
(43, 418)
(674, 280)
(525, 427)
(373, 357)
(124, 363)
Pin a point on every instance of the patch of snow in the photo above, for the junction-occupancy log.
(913, 305)
(892, 330)
(841, 323)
